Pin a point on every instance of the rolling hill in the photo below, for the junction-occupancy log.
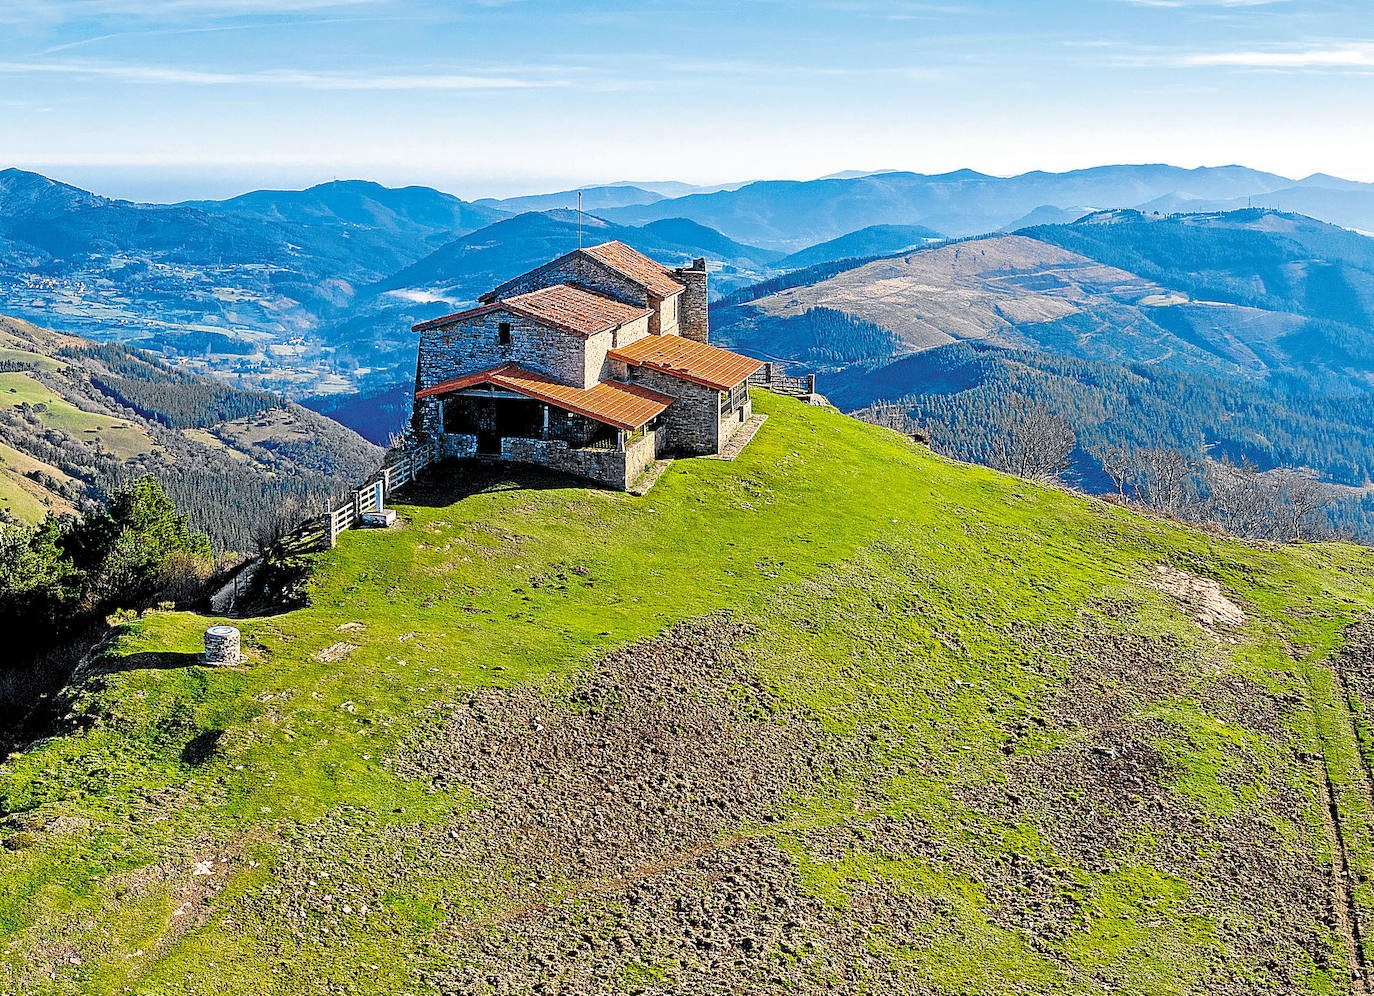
(875, 240)
(1241, 334)
(262, 270)
(78, 418)
(838, 716)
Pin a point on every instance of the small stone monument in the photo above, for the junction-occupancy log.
(222, 645)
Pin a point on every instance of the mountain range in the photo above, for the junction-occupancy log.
(285, 290)
(790, 215)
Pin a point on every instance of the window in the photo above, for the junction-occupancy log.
(503, 333)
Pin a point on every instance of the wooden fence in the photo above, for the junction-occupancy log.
(399, 470)
(771, 378)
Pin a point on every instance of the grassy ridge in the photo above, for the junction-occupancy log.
(974, 648)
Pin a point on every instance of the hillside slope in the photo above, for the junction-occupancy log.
(1250, 333)
(838, 716)
(78, 418)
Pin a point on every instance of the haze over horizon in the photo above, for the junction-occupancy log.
(173, 99)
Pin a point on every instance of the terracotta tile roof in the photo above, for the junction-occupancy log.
(625, 406)
(688, 359)
(561, 306)
(653, 276)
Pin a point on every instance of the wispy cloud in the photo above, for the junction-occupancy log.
(74, 10)
(129, 73)
(274, 24)
(1357, 56)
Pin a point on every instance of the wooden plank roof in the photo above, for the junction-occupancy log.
(624, 406)
(698, 362)
(562, 306)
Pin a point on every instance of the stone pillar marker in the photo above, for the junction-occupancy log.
(222, 645)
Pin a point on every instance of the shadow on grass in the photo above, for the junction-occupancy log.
(450, 481)
(151, 661)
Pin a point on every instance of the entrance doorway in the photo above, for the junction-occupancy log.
(488, 443)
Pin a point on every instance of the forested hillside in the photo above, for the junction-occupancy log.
(78, 419)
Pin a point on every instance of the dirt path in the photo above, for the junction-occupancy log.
(1344, 913)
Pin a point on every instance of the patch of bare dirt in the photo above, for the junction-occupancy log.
(629, 815)
(335, 652)
(1201, 597)
(1111, 788)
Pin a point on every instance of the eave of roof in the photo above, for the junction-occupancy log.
(687, 359)
(623, 406)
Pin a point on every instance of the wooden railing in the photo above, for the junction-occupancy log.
(399, 470)
(771, 378)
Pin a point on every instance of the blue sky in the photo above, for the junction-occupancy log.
(160, 99)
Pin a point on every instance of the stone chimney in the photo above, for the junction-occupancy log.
(694, 321)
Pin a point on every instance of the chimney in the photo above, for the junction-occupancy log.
(694, 321)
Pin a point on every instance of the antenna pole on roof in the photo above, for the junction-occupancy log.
(579, 219)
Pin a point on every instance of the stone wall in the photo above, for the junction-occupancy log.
(597, 367)
(731, 422)
(691, 424)
(667, 317)
(457, 446)
(639, 456)
(473, 344)
(606, 467)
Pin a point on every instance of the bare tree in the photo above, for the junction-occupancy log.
(1166, 480)
(1307, 497)
(1118, 463)
(1032, 441)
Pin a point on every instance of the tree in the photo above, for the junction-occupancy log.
(1032, 441)
(139, 546)
(1117, 462)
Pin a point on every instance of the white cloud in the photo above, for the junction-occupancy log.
(1357, 56)
(128, 73)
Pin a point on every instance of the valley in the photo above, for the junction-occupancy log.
(80, 418)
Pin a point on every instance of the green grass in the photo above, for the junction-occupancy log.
(908, 603)
(120, 437)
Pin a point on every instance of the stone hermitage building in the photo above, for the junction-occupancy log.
(596, 363)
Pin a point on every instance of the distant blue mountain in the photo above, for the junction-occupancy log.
(791, 215)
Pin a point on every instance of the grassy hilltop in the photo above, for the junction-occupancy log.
(837, 717)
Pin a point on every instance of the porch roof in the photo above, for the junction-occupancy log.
(698, 362)
(624, 406)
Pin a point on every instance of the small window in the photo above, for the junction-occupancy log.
(503, 333)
